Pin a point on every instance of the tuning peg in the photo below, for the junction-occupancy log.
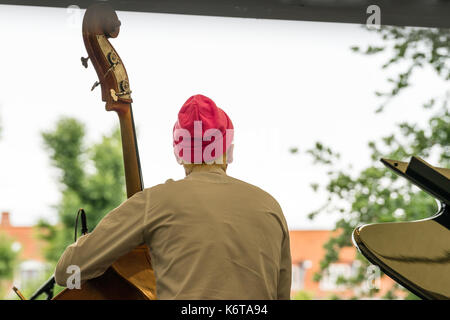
(95, 85)
(84, 61)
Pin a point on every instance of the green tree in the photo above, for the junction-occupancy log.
(8, 257)
(8, 260)
(375, 194)
(90, 177)
(303, 295)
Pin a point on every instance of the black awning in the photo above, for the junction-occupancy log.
(423, 13)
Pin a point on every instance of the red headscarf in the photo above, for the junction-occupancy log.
(200, 115)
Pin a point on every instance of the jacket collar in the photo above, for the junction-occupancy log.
(208, 169)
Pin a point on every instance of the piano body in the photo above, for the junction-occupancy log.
(416, 254)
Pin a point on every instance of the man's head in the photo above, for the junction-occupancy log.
(203, 134)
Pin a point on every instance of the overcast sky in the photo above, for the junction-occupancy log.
(283, 83)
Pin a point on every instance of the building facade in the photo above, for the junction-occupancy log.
(32, 265)
(307, 250)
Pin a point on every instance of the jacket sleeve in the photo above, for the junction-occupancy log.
(284, 282)
(120, 231)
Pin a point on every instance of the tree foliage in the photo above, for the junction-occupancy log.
(413, 49)
(375, 194)
(90, 177)
(8, 257)
(8, 261)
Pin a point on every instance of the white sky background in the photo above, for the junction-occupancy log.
(283, 83)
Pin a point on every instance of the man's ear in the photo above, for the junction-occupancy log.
(230, 154)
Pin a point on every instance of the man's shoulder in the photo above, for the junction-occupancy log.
(259, 192)
(159, 187)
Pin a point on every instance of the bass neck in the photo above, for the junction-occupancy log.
(132, 165)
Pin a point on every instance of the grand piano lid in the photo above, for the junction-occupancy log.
(433, 180)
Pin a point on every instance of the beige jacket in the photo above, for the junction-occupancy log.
(210, 236)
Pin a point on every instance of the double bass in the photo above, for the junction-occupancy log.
(131, 277)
